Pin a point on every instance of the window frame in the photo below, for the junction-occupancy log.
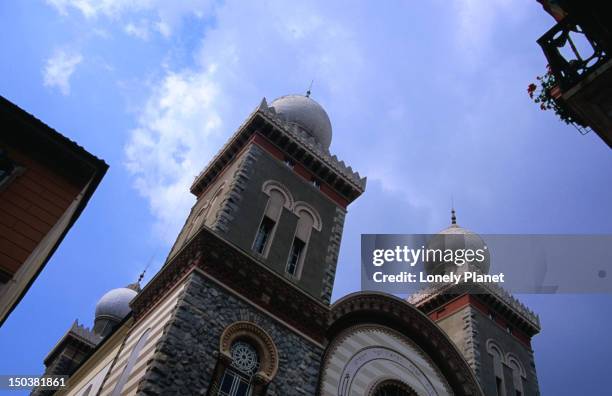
(317, 225)
(493, 349)
(267, 188)
(237, 378)
(300, 258)
(519, 374)
(268, 241)
(263, 344)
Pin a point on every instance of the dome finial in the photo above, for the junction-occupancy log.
(309, 89)
(142, 274)
(453, 214)
(136, 286)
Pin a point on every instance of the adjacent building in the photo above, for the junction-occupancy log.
(578, 49)
(46, 181)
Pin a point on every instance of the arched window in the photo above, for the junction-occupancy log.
(279, 198)
(238, 377)
(498, 359)
(248, 361)
(198, 217)
(212, 206)
(393, 388)
(197, 221)
(518, 373)
(202, 214)
(308, 219)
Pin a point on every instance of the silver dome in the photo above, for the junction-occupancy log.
(306, 113)
(115, 303)
(455, 238)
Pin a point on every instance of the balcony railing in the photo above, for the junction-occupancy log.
(573, 51)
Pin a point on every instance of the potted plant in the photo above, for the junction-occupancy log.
(547, 94)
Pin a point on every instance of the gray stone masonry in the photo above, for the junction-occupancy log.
(186, 355)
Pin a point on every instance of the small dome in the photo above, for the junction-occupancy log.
(456, 238)
(115, 303)
(307, 114)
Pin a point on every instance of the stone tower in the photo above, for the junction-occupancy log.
(490, 327)
(252, 270)
(275, 192)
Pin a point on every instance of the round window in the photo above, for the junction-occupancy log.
(244, 357)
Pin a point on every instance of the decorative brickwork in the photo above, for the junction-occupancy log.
(471, 347)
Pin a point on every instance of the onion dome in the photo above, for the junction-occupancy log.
(115, 304)
(457, 238)
(307, 114)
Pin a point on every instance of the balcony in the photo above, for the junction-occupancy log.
(578, 52)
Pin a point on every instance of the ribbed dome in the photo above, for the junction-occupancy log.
(115, 303)
(306, 113)
(455, 238)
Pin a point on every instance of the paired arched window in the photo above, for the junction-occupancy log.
(499, 360)
(279, 197)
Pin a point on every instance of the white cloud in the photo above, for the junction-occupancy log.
(59, 68)
(93, 8)
(163, 28)
(169, 147)
(166, 15)
(181, 126)
(138, 29)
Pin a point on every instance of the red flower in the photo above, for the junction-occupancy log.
(531, 89)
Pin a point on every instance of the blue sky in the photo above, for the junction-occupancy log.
(427, 99)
